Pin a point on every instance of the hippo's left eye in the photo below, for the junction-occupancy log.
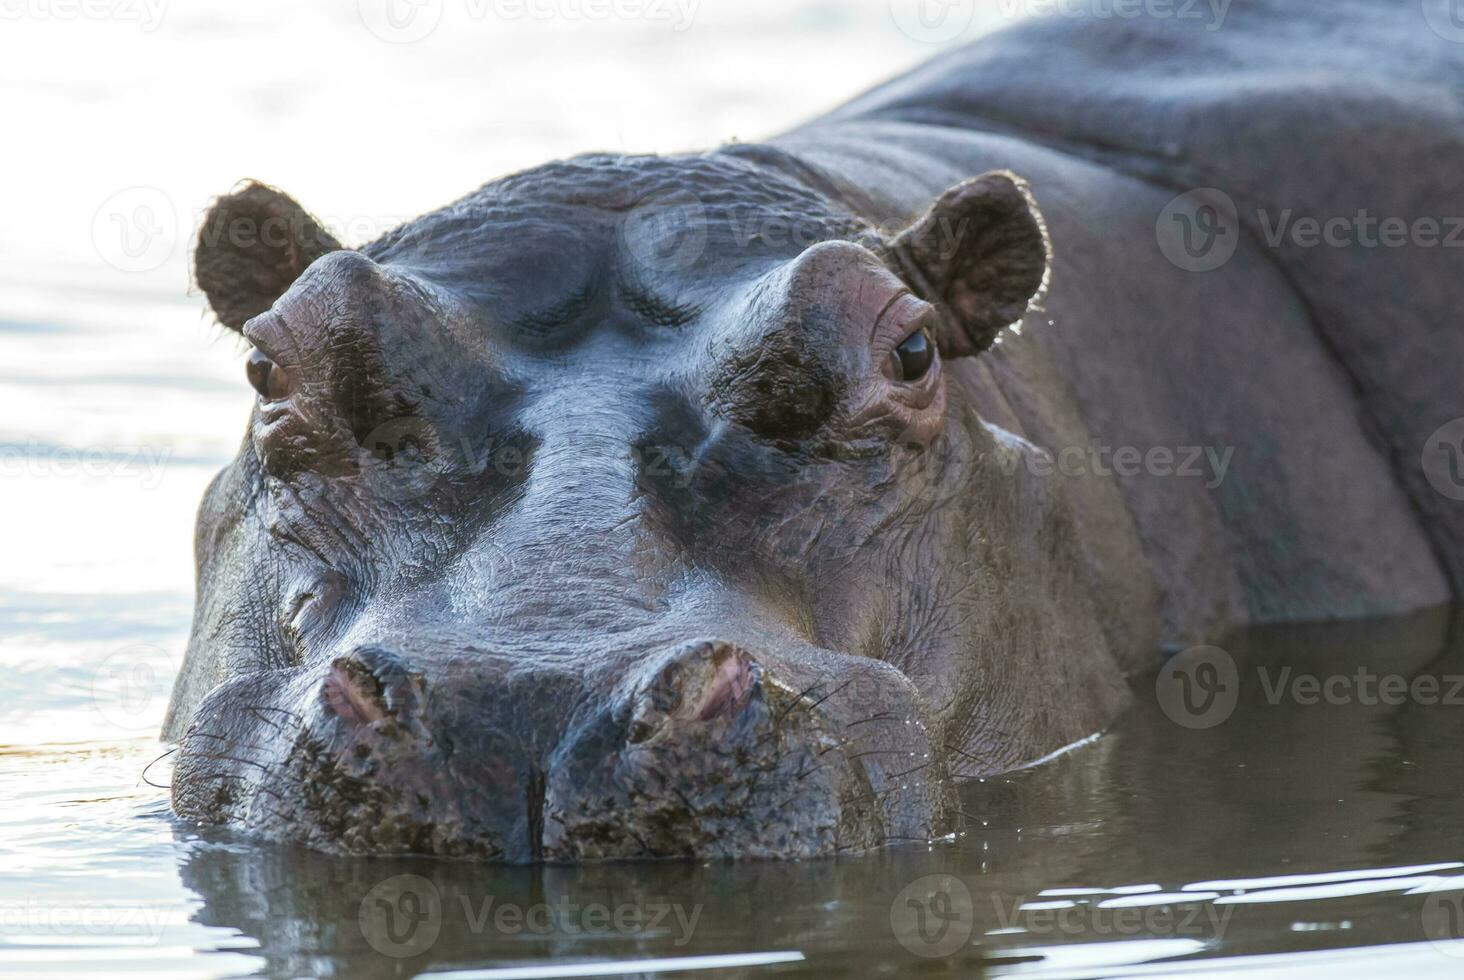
(268, 378)
(911, 360)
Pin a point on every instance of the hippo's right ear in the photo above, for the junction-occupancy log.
(981, 253)
(253, 245)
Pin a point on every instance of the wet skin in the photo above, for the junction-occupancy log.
(694, 506)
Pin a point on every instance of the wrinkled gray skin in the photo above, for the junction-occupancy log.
(588, 517)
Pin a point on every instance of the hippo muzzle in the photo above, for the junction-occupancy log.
(698, 750)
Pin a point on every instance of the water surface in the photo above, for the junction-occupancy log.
(1289, 837)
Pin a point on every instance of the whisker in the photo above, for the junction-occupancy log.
(801, 695)
(899, 775)
(882, 716)
(145, 769)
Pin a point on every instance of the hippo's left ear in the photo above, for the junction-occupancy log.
(981, 252)
(253, 245)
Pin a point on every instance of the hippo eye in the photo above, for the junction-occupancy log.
(268, 378)
(912, 358)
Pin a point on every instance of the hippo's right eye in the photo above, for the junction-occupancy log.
(913, 357)
(268, 378)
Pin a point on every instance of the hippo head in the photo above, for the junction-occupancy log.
(627, 507)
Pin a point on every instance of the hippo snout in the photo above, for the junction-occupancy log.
(701, 748)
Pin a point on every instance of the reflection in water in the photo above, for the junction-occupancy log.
(1289, 827)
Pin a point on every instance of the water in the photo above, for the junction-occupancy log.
(1290, 838)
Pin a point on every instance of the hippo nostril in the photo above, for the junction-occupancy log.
(732, 676)
(353, 692)
(370, 684)
(702, 682)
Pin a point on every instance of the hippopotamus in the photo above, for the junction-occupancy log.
(743, 503)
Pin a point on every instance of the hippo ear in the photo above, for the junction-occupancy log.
(980, 252)
(253, 245)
